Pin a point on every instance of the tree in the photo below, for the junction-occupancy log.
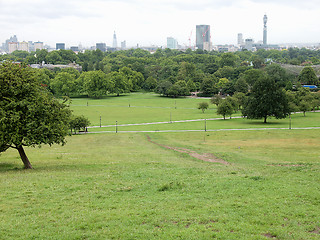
(266, 100)
(229, 59)
(240, 98)
(225, 108)
(203, 106)
(216, 99)
(150, 84)
(304, 106)
(63, 84)
(121, 83)
(163, 87)
(29, 114)
(53, 57)
(252, 75)
(78, 123)
(136, 78)
(178, 89)
(278, 74)
(96, 83)
(308, 76)
(241, 85)
(208, 86)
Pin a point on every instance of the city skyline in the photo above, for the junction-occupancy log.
(144, 23)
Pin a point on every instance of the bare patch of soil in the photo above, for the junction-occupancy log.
(269, 235)
(207, 157)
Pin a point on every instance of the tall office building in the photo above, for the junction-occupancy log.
(114, 43)
(265, 19)
(172, 43)
(5, 45)
(124, 44)
(249, 44)
(203, 37)
(101, 46)
(60, 46)
(38, 45)
(240, 39)
(13, 46)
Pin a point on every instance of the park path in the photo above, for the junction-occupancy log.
(207, 157)
(178, 121)
(153, 123)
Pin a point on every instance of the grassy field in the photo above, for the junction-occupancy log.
(122, 186)
(151, 108)
(144, 107)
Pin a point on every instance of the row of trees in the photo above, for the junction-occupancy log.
(226, 80)
(168, 72)
(91, 60)
(265, 100)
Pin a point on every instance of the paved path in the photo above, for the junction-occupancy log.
(179, 121)
(191, 120)
(208, 130)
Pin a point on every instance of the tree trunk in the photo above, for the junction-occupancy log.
(24, 158)
(265, 119)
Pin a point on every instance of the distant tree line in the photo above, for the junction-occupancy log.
(168, 72)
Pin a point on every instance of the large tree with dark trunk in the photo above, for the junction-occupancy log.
(29, 114)
(266, 100)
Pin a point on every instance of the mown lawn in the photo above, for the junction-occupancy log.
(120, 186)
(140, 108)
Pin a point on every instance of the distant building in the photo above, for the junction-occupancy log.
(12, 46)
(52, 67)
(240, 39)
(31, 46)
(114, 43)
(123, 45)
(38, 45)
(249, 44)
(172, 43)
(5, 45)
(74, 48)
(101, 46)
(265, 19)
(23, 46)
(60, 46)
(203, 37)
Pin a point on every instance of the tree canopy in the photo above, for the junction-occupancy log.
(29, 114)
(266, 100)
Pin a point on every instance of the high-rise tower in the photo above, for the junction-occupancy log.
(203, 37)
(265, 19)
(114, 43)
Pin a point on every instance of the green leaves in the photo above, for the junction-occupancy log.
(29, 114)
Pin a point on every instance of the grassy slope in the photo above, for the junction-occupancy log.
(120, 186)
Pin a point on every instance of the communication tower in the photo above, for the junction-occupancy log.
(265, 19)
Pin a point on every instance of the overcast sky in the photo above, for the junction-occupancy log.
(151, 22)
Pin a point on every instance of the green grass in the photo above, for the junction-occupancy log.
(120, 186)
(297, 121)
(148, 108)
(144, 107)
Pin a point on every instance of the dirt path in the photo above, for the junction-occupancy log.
(208, 157)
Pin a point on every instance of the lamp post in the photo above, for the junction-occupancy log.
(116, 126)
(289, 121)
(205, 125)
